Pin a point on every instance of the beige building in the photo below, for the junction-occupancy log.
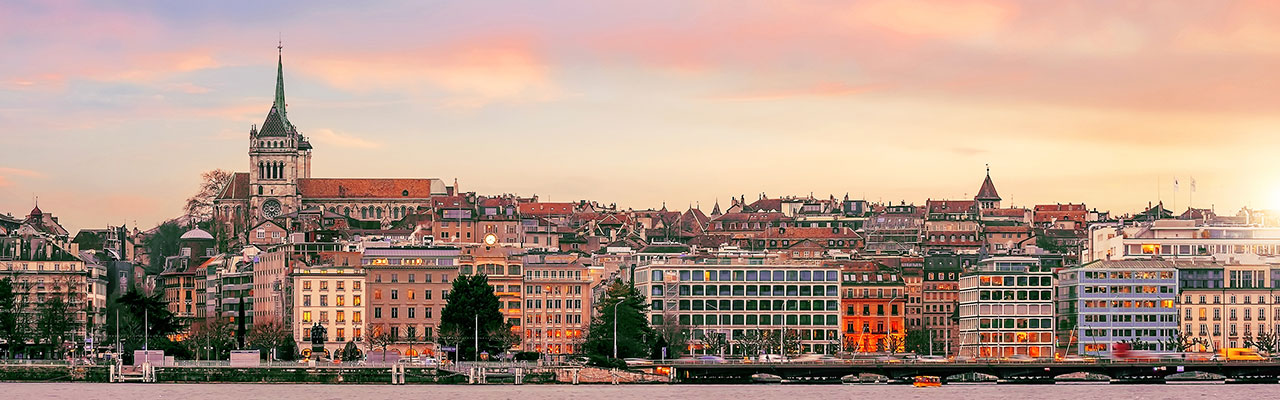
(1226, 305)
(557, 302)
(40, 271)
(331, 296)
(502, 265)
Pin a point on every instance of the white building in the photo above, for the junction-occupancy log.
(332, 296)
(1184, 239)
(1006, 308)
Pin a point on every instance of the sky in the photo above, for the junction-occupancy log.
(110, 110)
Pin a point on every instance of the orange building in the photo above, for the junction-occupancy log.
(874, 300)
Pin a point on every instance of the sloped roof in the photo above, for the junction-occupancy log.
(988, 190)
(237, 187)
(543, 208)
(368, 188)
(949, 206)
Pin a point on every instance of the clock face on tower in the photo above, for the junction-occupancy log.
(490, 239)
(271, 208)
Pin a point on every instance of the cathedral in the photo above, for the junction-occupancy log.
(279, 186)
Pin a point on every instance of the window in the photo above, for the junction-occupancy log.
(395, 312)
(355, 300)
(306, 316)
(395, 294)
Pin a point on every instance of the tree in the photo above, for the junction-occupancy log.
(895, 343)
(381, 337)
(471, 302)
(672, 335)
(127, 314)
(450, 335)
(791, 342)
(200, 205)
(504, 337)
(211, 339)
(917, 341)
(1180, 341)
(629, 322)
(1266, 342)
(12, 330)
(715, 343)
(54, 324)
(288, 351)
(755, 342)
(163, 243)
(351, 352)
(269, 335)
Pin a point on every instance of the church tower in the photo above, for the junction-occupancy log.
(987, 197)
(278, 157)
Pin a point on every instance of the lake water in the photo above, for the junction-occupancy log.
(119, 391)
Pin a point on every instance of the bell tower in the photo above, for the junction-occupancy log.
(278, 156)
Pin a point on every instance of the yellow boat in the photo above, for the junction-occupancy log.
(928, 381)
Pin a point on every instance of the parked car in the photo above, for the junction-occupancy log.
(429, 361)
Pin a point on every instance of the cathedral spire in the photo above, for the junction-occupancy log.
(279, 104)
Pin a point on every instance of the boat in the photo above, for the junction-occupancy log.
(927, 381)
(765, 378)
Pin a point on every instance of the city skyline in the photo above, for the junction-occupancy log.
(117, 111)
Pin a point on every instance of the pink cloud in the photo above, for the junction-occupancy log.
(471, 74)
(823, 89)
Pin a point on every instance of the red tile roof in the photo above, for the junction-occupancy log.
(366, 188)
(1007, 229)
(950, 206)
(237, 187)
(988, 190)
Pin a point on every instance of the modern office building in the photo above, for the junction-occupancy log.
(1006, 308)
(1106, 302)
(735, 300)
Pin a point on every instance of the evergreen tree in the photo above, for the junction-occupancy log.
(163, 243)
(472, 301)
(917, 341)
(635, 337)
(12, 331)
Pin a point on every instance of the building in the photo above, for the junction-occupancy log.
(1184, 240)
(987, 198)
(874, 302)
(408, 287)
(1224, 305)
(183, 278)
(1006, 309)
(557, 302)
(502, 266)
(736, 299)
(41, 270)
(896, 230)
(271, 283)
(331, 296)
(1107, 302)
(279, 182)
(940, 299)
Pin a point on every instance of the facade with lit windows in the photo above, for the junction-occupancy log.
(739, 299)
(1107, 302)
(407, 287)
(557, 303)
(1006, 309)
(1226, 305)
(332, 296)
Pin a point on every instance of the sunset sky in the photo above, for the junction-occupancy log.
(109, 110)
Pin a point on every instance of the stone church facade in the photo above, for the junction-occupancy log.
(279, 183)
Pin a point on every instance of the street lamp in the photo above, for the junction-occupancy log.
(615, 325)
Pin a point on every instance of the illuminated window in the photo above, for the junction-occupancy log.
(306, 316)
(355, 300)
(355, 317)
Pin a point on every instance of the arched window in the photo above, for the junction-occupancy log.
(364, 212)
(379, 213)
(259, 190)
(346, 211)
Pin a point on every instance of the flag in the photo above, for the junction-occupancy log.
(1175, 185)
(1193, 184)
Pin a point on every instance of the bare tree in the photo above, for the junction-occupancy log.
(269, 335)
(200, 205)
(1266, 342)
(716, 342)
